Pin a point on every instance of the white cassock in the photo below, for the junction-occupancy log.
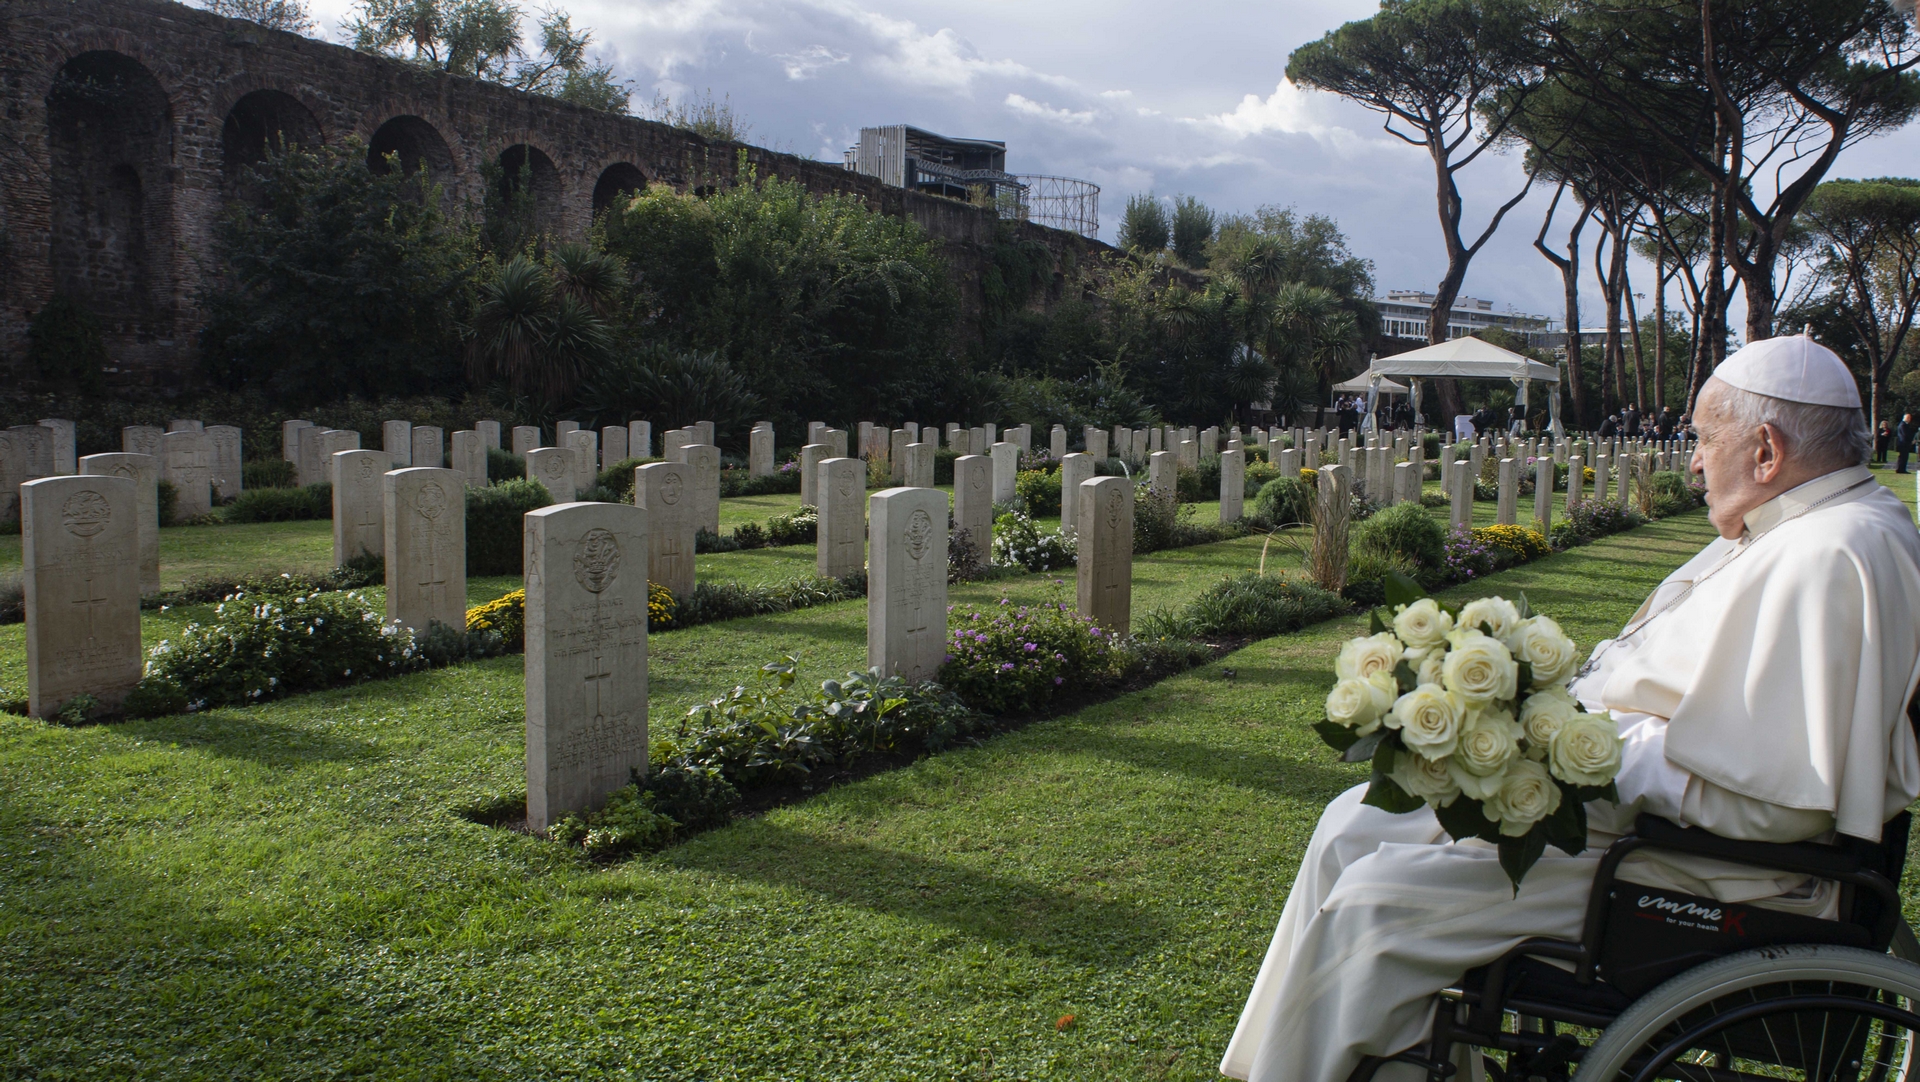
(1761, 690)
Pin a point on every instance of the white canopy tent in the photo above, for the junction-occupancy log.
(1462, 358)
(1361, 384)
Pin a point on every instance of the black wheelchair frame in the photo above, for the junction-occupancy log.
(1592, 995)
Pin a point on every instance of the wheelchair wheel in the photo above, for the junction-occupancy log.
(1833, 1014)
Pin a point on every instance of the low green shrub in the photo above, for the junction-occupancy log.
(1405, 529)
(736, 482)
(1590, 520)
(496, 534)
(1674, 493)
(715, 601)
(1285, 501)
(366, 569)
(169, 501)
(1201, 485)
(1259, 473)
(616, 481)
(1016, 659)
(281, 504)
(750, 535)
(267, 473)
(1162, 524)
(800, 527)
(705, 541)
(505, 616)
(1247, 605)
(943, 465)
(1040, 489)
(1367, 571)
(13, 597)
(1019, 542)
(504, 465)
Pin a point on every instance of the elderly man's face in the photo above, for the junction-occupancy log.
(1742, 467)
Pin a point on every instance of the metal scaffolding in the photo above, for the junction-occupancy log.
(1063, 203)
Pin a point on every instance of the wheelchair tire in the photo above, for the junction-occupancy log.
(1739, 988)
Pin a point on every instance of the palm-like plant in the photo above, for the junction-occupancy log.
(535, 338)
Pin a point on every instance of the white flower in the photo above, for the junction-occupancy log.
(1428, 718)
(1586, 750)
(1527, 796)
(1542, 715)
(1478, 668)
(1489, 740)
(1429, 671)
(1358, 703)
(1361, 658)
(1422, 623)
(1541, 644)
(1496, 613)
(1425, 778)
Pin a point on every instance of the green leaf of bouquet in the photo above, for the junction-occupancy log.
(1377, 624)
(1520, 603)
(1402, 590)
(1464, 818)
(1609, 791)
(1363, 748)
(1405, 678)
(1385, 793)
(1517, 855)
(1566, 828)
(1337, 736)
(1525, 679)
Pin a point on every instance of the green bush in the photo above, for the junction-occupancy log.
(1249, 605)
(1018, 542)
(714, 601)
(740, 483)
(1040, 489)
(1259, 474)
(617, 480)
(267, 473)
(1201, 485)
(800, 527)
(504, 466)
(169, 500)
(1016, 659)
(65, 346)
(1673, 493)
(496, 532)
(1407, 530)
(366, 569)
(943, 465)
(281, 504)
(1285, 501)
(1367, 570)
(750, 535)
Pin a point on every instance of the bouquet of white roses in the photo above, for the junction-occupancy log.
(1465, 709)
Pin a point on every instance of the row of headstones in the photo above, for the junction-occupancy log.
(201, 461)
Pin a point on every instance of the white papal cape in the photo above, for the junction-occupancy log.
(1773, 670)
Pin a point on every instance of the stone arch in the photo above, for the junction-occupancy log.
(416, 143)
(262, 121)
(617, 180)
(110, 147)
(529, 185)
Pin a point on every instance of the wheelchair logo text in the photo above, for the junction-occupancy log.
(1689, 915)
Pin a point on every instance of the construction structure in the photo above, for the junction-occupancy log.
(974, 171)
(1403, 314)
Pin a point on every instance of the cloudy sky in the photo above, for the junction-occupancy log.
(1134, 96)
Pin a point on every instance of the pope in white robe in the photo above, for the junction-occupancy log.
(1761, 692)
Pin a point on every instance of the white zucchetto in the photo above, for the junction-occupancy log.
(1793, 368)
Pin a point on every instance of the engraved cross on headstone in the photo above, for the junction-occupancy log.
(90, 602)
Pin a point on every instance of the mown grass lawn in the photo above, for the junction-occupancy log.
(289, 891)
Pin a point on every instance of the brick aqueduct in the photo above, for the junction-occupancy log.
(128, 124)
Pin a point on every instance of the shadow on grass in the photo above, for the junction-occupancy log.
(235, 733)
(1281, 775)
(1044, 920)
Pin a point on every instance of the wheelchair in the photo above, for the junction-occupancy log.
(1665, 985)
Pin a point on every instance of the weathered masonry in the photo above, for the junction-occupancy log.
(129, 123)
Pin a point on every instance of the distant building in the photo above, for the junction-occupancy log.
(1403, 314)
(974, 171)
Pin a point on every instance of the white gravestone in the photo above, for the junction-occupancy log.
(289, 440)
(703, 433)
(561, 429)
(65, 462)
(189, 468)
(1097, 444)
(613, 446)
(1543, 494)
(703, 465)
(525, 438)
(907, 582)
(80, 541)
(145, 440)
(332, 442)
(920, 464)
(640, 439)
(665, 491)
(1233, 485)
(898, 440)
(1333, 506)
(1057, 443)
(836, 441)
(841, 541)
(1507, 510)
(469, 457)
(1023, 438)
(489, 433)
(585, 446)
(359, 504)
(310, 463)
(1289, 462)
(1006, 469)
(553, 467)
(973, 502)
(671, 443)
(1074, 469)
(1461, 515)
(144, 472)
(1406, 482)
(26, 454)
(424, 512)
(429, 447)
(185, 426)
(1104, 526)
(1576, 479)
(1163, 476)
(760, 452)
(586, 658)
(810, 458)
(224, 442)
(816, 431)
(396, 439)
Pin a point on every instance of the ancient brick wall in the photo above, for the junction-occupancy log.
(128, 124)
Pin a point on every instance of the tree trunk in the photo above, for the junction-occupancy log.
(1569, 267)
(1633, 325)
(1659, 325)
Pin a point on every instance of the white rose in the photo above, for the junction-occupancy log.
(1478, 668)
(1361, 658)
(1495, 613)
(1540, 643)
(1428, 718)
(1423, 623)
(1425, 778)
(1586, 750)
(1429, 671)
(1542, 715)
(1488, 742)
(1358, 704)
(1526, 796)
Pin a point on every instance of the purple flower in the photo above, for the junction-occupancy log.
(1058, 680)
(1031, 647)
(1006, 666)
(1096, 632)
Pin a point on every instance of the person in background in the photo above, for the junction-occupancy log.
(1882, 436)
(1630, 420)
(1517, 420)
(1903, 441)
(1665, 424)
(1610, 427)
